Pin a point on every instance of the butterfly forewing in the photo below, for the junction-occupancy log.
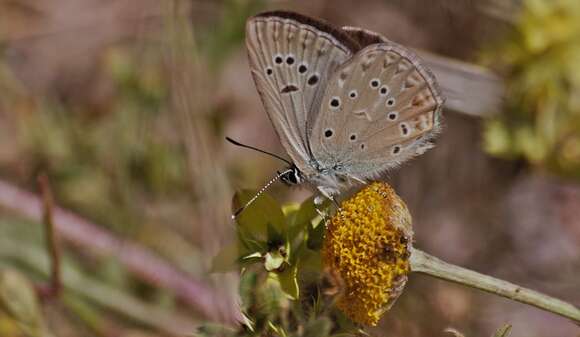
(291, 59)
(379, 109)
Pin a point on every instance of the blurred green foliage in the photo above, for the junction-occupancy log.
(105, 165)
(19, 303)
(540, 61)
(111, 163)
(226, 36)
(117, 155)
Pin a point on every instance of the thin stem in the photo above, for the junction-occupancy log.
(54, 288)
(424, 263)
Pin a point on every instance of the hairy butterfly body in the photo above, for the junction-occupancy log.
(347, 104)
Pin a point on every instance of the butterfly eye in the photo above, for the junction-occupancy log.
(353, 94)
(362, 146)
(312, 80)
(278, 59)
(384, 90)
(302, 68)
(390, 102)
(396, 149)
(353, 137)
(334, 103)
(374, 83)
(328, 133)
(393, 115)
(269, 71)
(290, 60)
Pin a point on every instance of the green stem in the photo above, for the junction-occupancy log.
(424, 263)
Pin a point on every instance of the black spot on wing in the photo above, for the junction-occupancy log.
(289, 89)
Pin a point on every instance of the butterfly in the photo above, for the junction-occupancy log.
(347, 103)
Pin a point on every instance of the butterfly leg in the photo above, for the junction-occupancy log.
(329, 194)
(323, 213)
(357, 179)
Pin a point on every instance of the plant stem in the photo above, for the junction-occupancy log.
(53, 289)
(424, 263)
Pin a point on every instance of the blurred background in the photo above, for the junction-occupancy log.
(124, 106)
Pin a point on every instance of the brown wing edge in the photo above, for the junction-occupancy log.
(339, 34)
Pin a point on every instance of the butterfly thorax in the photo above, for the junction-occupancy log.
(327, 179)
(331, 177)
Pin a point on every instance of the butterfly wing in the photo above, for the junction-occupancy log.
(291, 58)
(380, 108)
(365, 37)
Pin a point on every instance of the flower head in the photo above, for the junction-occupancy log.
(368, 246)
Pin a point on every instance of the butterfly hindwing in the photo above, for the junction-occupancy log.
(291, 59)
(380, 108)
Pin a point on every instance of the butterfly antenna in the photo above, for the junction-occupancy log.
(262, 190)
(259, 150)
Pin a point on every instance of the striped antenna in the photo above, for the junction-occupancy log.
(262, 190)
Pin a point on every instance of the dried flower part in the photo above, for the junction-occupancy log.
(368, 245)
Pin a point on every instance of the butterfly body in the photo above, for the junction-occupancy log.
(346, 103)
(328, 181)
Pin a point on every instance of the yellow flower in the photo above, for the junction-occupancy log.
(368, 245)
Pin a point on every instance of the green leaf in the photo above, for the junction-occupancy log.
(19, 300)
(318, 328)
(315, 236)
(248, 282)
(305, 216)
(290, 209)
(278, 330)
(247, 323)
(255, 218)
(289, 281)
(310, 263)
(271, 299)
(504, 331)
(226, 260)
(250, 245)
(275, 237)
(256, 255)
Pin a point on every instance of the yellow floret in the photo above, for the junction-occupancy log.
(368, 245)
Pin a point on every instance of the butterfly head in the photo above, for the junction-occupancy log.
(292, 176)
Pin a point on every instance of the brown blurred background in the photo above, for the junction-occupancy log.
(125, 104)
